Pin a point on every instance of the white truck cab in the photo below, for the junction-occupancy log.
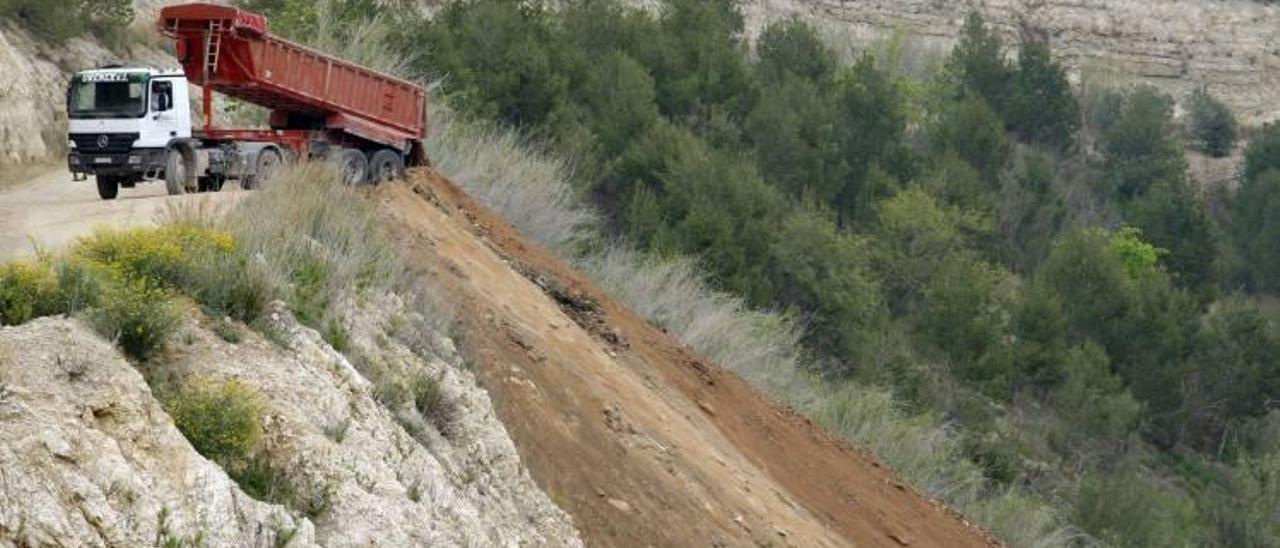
(121, 123)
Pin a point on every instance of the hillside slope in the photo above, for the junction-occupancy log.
(641, 440)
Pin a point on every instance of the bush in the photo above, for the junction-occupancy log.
(977, 65)
(1263, 154)
(81, 284)
(1142, 147)
(1211, 124)
(263, 481)
(972, 130)
(171, 255)
(27, 290)
(1093, 399)
(1128, 509)
(1257, 228)
(1044, 109)
(136, 313)
(58, 21)
(793, 47)
(435, 406)
(222, 420)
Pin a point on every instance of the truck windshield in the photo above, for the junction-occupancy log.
(107, 95)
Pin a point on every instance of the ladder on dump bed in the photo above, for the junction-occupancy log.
(212, 47)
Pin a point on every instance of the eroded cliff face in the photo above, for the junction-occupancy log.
(1232, 47)
(90, 457)
(32, 93)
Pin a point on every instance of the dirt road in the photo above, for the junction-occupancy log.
(51, 211)
(643, 441)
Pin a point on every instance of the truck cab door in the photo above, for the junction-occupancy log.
(167, 118)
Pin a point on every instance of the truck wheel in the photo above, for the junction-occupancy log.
(269, 161)
(385, 166)
(354, 167)
(175, 172)
(108, 187)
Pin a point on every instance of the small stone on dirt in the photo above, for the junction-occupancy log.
(622, 505)
(706, 408)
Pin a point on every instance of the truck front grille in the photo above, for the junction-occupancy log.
(104, 143)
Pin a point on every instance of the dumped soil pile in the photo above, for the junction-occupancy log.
(640, 439)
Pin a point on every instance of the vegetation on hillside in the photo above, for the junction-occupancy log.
(56, 22)
(1029, 265)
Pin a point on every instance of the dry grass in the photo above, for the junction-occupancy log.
(308, 228)
(496, 167)
(365, 43)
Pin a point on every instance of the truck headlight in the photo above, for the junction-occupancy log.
(134, 160)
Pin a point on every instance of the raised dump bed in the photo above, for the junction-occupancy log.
(230, 51)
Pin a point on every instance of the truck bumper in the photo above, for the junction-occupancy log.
(138, 163)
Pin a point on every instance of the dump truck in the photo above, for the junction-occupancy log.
(133, 124)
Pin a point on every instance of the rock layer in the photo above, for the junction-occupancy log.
(1232, 47)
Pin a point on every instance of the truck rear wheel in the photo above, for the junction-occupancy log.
(385, 166)
(268, 162)
(108, 187)
(354, 167)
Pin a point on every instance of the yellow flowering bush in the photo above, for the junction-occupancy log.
(27, 290)
(222, 420)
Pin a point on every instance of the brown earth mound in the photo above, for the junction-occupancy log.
(642, 440)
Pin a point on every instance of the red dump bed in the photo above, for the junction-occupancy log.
(230, 51)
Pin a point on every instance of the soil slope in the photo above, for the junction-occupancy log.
(643, 441)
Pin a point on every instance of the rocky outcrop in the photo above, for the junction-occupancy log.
(32, 93)
(88, 456)
(1231, 46)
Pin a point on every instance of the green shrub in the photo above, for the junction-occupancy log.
(169, 255)
(58, 21)
(1243, 512)
(1211, 124)
(435, 406)
(1128, 509)
(137, 314)
(1044, 110)
(27, 290)
(1142, 147)
(227, 331)
(80, 284)
(1257, 229)
(1263, 154)
(262, 480)
(222, 420)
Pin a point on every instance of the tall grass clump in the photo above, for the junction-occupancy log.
(313, 242)
(496, 167)
(533, 191)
